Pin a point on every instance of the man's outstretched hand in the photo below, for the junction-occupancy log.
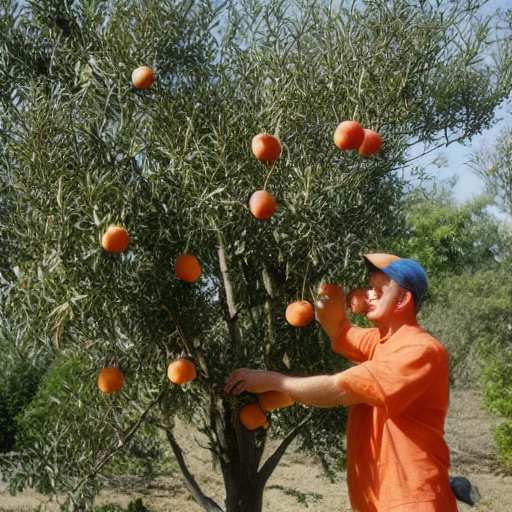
(254, 381)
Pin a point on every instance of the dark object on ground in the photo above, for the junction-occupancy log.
(463, 490)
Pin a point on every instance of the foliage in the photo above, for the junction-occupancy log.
(465, 251)
(450, 238)
(81, 149)
(19, 380)
(497, 384)
(494, 166)
(471, 317)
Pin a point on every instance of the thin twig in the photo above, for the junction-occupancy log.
(179, 329)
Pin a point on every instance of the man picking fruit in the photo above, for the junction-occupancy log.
(397, 458)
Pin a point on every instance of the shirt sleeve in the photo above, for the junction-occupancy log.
(394, 381)
(357, 344)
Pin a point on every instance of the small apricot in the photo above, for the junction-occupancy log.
(300, 313)
(348, 135)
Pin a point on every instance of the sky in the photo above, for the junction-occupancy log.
(457, 155)
(455, 158)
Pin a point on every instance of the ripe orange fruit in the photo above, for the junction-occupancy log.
(252, 417)
(371, 144)
(273, 400)
(262, 204)
(356, 301)
(266, 147)
(115, 239)
(110, 379)
(333, 291)
(349, 135)
(142, 77)
(300, 313)
(187, 268)
(181, 371)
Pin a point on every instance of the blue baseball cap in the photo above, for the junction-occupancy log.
(408, 274)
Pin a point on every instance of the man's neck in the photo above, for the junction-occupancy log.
(406, 318)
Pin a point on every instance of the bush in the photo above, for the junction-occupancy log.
(70, 386)
(470, 315)
(497, 387)
(19, 381)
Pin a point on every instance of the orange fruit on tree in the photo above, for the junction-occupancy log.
(372, 143)
(142, 77)
(252, 417)
(266, 147)
(110, 379)
(300, 313)
(348, 135)
(356, 300)
(187, 268)
(333, 291)
(274, 400)
(262, 204)
(115, 239)
(181, 370)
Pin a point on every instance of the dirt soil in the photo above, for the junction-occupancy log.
(298, 484)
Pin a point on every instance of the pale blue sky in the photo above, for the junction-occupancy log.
(458, 155)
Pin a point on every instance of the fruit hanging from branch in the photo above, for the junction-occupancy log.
(372, 143)
(262, 204)
(266, 147)
(142, 77)
(253, 417)
(115, 239)
(110, 379)
(187, 268)
(271, 400)
(349, 135)
(300, 313)
(181, 371)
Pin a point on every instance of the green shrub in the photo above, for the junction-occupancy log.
(20, 378)
(470, 314)
(497, 389)
(503, 437)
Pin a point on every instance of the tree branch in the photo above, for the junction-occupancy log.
(120, 445)
(207, 503)
(231, 319)
(272, 462)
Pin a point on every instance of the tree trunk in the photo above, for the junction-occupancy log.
(240, 460)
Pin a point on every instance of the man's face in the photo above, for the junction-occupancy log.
(382, 297)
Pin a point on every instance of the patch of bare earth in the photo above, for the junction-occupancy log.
(298, 480)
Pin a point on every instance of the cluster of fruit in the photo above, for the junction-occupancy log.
(253, 416)
(180, 371)
(349, 135)
(187, 268)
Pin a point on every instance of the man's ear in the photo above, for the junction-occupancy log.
(404, 301)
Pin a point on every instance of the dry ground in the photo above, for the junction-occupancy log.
(468, 432)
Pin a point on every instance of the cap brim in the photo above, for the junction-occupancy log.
(380, 260)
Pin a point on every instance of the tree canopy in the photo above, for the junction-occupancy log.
(82, 148)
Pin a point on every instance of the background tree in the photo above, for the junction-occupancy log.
(82, 149)
(466, 252)
(494, 166)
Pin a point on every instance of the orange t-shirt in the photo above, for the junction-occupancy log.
(397, 458)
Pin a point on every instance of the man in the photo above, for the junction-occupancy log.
(397, 458)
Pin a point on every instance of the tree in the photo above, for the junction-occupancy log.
(83, 149)
(465, 250)
(450, 238)
(494, 166)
